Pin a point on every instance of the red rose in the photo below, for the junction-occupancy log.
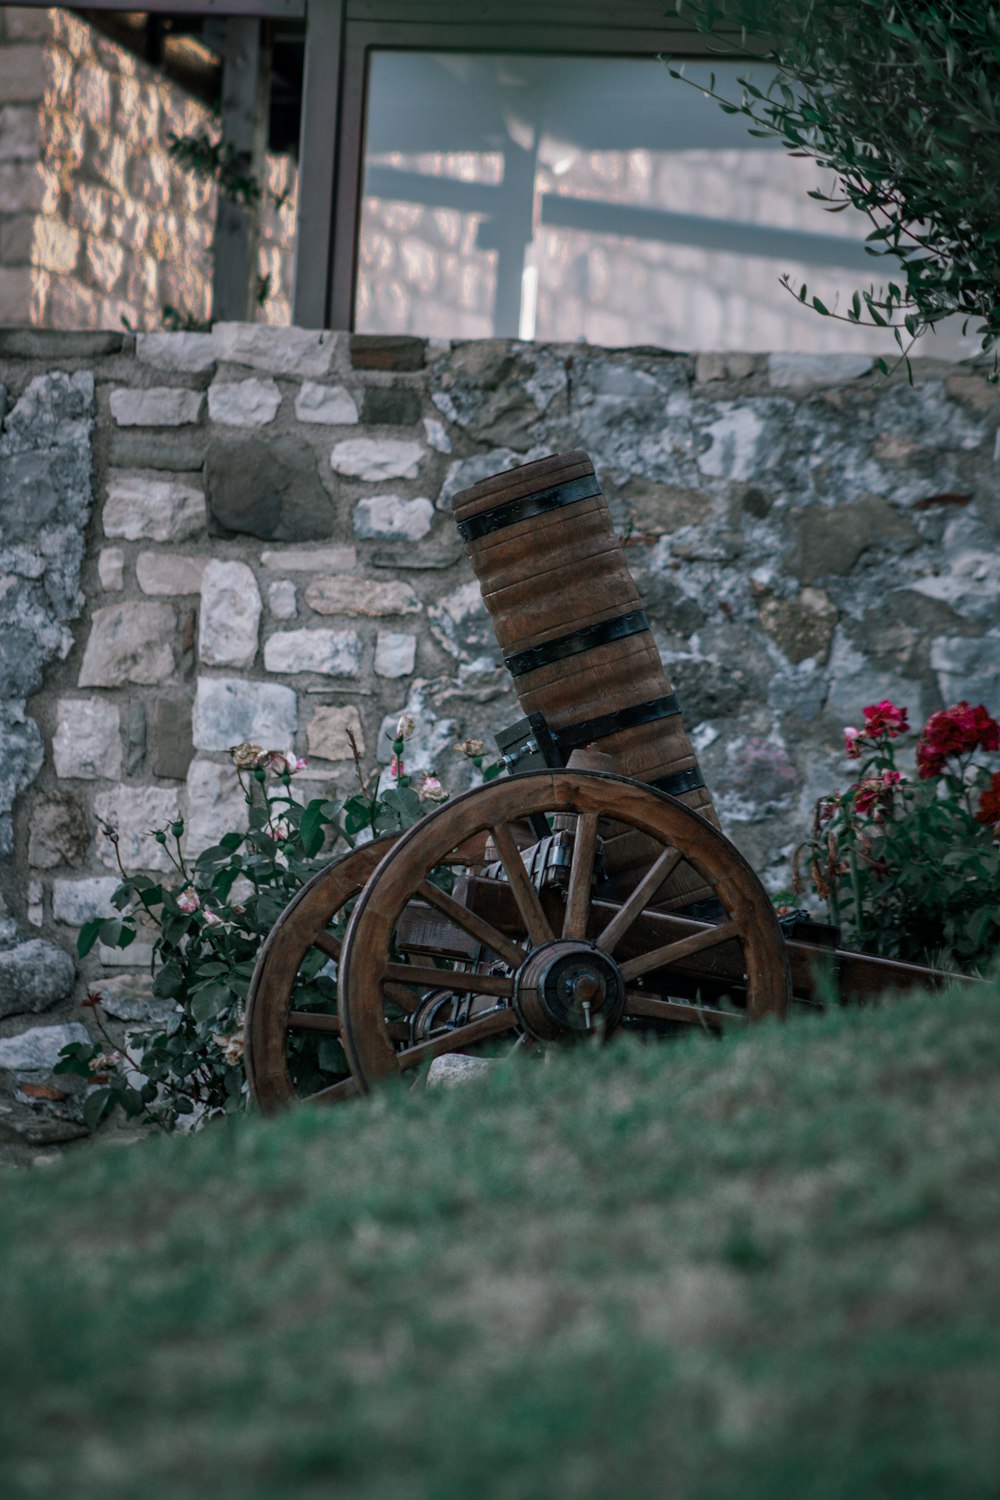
(885, 718)
(989, 802)
(958, 730)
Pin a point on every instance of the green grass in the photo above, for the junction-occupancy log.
(766, 1269)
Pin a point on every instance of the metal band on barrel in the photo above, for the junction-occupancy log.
(680, 782)
(527, 506)
(601, 634)
(574, 735)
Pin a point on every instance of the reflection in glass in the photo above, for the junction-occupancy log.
(566, 198)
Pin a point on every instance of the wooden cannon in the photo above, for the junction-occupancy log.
(587, 892)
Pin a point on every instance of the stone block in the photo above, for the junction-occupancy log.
(15, 294)
(359, 596)
(157, 406)
(56, 343)
(830, 541)
(169, 573)
(395, 653)
(804, 372)
(269, 490)
(35, 910)
(801, 628)
(22, 73)
(21, 759)
(55, 411)
(57, 833)
(312, 559)
(711, 367)
(390, 406)
(230, 710)
(282, 599)
(37, 1050)
(377, 459)
(330, 405)
(230, 615)
(179, 450)
(391, 518)
(280, 351)
(111, 568)
(34, 976)
(216, 804)
(382, 351)
(968, 667)
(335, 653)
(23, 23)
(328, 730)
(135, 737)
(77, 901)
(17, 239)
(193, 353)
(244, 403)
(129, 643)
(87, 741)
(134, 813)
(56, 246)
(142, 507)
(172, 745)
(437, 435)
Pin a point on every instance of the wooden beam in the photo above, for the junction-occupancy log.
(318, 157)
(245, 87)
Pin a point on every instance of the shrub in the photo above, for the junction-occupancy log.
(910, 869)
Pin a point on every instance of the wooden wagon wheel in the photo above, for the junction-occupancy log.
(302, 928)
(559, 965)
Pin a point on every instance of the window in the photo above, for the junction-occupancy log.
(564, 198)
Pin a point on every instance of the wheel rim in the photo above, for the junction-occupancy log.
(507, 998)
(270, 1017)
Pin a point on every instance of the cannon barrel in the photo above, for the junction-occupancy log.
(570, 623)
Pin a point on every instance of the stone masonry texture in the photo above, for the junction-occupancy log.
(99, 227)
(807, 542)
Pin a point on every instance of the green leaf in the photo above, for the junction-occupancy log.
(88, 935)
(96, 1105)
(311, 828)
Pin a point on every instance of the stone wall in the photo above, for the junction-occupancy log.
(245, 534)
(99, 228)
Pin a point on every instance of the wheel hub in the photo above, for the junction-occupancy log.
(568, 989)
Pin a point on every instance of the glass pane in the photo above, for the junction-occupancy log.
(567, 198)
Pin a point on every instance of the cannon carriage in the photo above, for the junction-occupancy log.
(590, 891)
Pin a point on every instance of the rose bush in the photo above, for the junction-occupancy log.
(211, 919)
(910, 868)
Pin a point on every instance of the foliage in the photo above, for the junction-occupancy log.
(218, 160)
(764, 1268)
(911, 869)
(211, 919)
(902, 102)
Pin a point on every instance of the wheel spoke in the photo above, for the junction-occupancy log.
(464, 981)
(528, 904)
(651, 1007)
(672, 953)
(328, 944)
(657, 874)
(493, 1024)
(319, 1021)
(580, 876)
(345, 1089)
(476, 926)
(309, 1020)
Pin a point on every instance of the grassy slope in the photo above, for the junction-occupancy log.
(766, 1269)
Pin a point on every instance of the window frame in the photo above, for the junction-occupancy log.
(331, 162)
